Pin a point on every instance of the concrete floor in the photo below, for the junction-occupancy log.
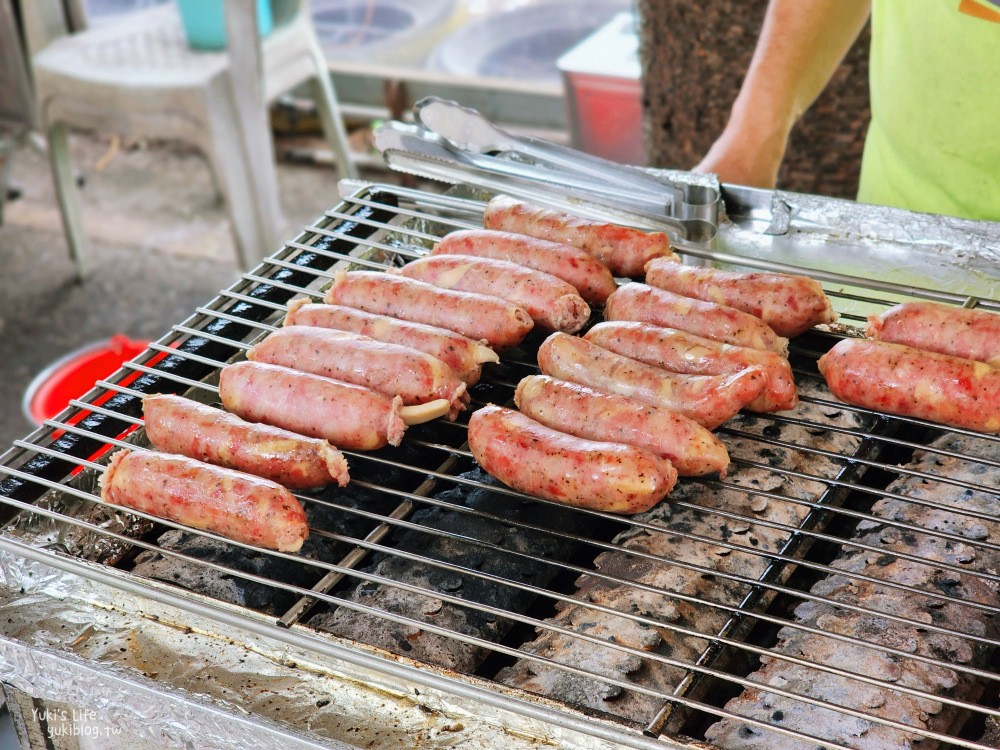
(8, 740)
(160, 247)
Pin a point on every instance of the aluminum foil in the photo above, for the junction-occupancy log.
(47, 531)
(928, 251)
(178, 679)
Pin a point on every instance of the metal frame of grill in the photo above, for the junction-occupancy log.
(380, 226)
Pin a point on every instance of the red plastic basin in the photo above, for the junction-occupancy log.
(73, 375)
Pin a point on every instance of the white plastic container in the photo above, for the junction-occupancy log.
(102, 11)
(385, 32)
(523, 43)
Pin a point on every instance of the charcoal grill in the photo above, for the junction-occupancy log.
(433, 606)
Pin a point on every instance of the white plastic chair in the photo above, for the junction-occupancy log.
(137, 76)
(17, 103)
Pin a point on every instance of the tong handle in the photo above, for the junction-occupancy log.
(596, 167)
(462, 170)
(468, 130)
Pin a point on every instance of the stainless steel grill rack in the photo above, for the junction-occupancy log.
(454, 581)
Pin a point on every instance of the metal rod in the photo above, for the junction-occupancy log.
(653, 528)
(378, 539)
(631, 686)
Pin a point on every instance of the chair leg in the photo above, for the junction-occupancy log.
(220, 195)
(254, 240)
(6, 154)
(330, 116)
(68, 195)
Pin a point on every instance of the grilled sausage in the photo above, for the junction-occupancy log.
(707, 399)
(235, 505)
(624, 250)
(971, 334)
(391, 369)
(913, 383)
(587, 274)
(662, 308)
(682, 352)
(591, 414)
(789, 304)
(548, 464)
(179, 425)
(500, 323)
(460, 353)
(349, 416)
(552, 303)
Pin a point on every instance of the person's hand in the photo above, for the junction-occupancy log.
(740, 158)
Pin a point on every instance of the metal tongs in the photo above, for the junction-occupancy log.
(456, 144)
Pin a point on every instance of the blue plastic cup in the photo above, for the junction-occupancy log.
(204, 22)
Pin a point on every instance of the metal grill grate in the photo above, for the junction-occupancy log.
(871, 540)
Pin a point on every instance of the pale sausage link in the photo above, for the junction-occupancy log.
(349, 416)
(554, 466)
(788, 304)
(391, 369)
(624, 250)
(235, 505)
(682, 352)
(707, 399)
(179, 425)
(913, 383)
(971, 334)
(587, 274)
(500, 323)
(464, 355)
(717, 322)
(552, 303)
(594, 415)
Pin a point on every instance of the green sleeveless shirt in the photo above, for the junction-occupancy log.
(934, 141)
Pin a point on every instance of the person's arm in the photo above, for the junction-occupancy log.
(800, 46)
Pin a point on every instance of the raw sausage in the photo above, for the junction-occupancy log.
(460, 353)
(500, 323)
(594, 415)
(235, 505)
(707, 399)
(179, 425)
(624, 250)
(902, 380)
(545, 463)
(972, 334)
(789, 304)
(682, 352)
(391, 369)
(349, 416)
(587, 274)
(662, 308)
(552, 303)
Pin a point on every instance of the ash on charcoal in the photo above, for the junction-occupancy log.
(385, 467)
(650, 564)
(273, 599)
(860, 586)
(508, 551)
(330, 513)
(211, 582)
